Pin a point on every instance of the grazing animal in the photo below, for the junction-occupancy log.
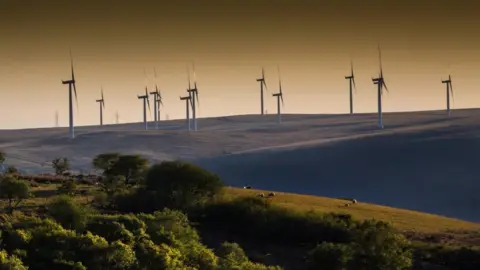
(247, 187)
(271, 194)
(261, 195)
(347, 205)
(354, 201)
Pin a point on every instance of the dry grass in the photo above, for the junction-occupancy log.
(402, 219)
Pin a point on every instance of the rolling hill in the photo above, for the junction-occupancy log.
(423, 161)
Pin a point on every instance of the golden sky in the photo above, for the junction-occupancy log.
(312, 42)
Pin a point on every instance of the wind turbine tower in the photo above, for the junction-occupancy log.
(351, 82)
(187, 105)
(449, 92)
(380, 82)
(194, 100)
(157, 100)
(71, 86)
(102, 106)
(262, 84)
(279, 97)
(145, 102)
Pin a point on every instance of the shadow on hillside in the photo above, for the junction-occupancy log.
(432, 171)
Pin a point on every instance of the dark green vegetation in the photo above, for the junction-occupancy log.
(175, 215)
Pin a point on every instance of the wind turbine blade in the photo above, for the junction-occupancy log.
(354, 86)
(384, 85)
(75, 92)
(263, 73)
(451, 90)
(71, 66)
(194, 73)
(281, 97)
(380, 58)
(188, 76)
(196, 95)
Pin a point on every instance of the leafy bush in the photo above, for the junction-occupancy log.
(329, 256)
(60, 165)
(10, 262)
(13, 191)
(68, 213)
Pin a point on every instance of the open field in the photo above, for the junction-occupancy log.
(424, 161)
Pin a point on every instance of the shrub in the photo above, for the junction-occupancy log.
(10, 262)
(180, 185)
(68, 213)
(60, 165)
(13, 191)
(329, 256)
(378, 246)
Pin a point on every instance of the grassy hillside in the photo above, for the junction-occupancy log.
(416, 225)
(401, 219)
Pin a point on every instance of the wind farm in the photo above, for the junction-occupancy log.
(226, 144)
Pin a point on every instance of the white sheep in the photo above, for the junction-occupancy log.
(271, 194)
(354, 201)
(261, 195)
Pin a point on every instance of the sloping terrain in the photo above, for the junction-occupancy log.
(422, 160)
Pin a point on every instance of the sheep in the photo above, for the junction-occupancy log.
(347, 205)
(261, 195)
(247, 187)
(271, 194)
(354, 201)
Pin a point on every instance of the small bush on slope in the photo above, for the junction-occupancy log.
(68, 213)
(13, 191)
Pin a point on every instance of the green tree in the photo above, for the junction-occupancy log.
(181, 185)
(378, 246)
(130, 167)
(60, 165)
(13, 191)
(329, 256)
(68, 213)
(104, 161)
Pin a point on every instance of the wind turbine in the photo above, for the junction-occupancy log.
(145, 102)
(156, 101)
(380, 82)
(351, 82)
(187, 104)
(71, 86)
(449, 92)
(262, 84)
(193, 93)
(279, 96)
(102, 106)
